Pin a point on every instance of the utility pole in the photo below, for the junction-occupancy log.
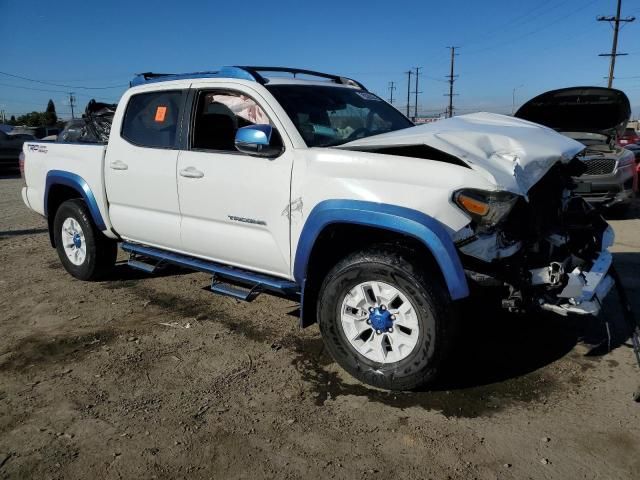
(614, 48)
(408, 91)
(452, 78)
(72, 101)
(513, 99)
(2, 114)
(392, 87)
(415, 107)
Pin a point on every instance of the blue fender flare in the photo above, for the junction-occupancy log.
(68, 179)
(413, 223)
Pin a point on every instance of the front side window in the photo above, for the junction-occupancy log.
(331, 115)
(219, 115)
(151, 119)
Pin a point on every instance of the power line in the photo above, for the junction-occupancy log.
(46, 90)
(32, 88)
(61, 85)
(532, 32)
(614, 47)
(518, 21)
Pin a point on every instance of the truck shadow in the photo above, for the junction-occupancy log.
(499, 359)
(18, 233)
(496, 346)
(124, 276)
(9, 174)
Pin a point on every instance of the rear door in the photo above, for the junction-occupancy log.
(140, 169)
(233, 205)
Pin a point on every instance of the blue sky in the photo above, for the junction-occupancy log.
(529, 45)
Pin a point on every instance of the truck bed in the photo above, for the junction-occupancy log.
(43, 159)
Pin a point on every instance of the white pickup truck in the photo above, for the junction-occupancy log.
(306, 185)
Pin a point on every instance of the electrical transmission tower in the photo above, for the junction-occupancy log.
(408, 91)
(415, 107)
(614, 48)
(452, 78)
(72, 103)
(392, 87)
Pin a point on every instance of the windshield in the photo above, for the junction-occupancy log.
(328, 116)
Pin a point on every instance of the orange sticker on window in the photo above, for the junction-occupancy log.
(161, 112)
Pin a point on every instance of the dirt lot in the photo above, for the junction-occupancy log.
(154, 377)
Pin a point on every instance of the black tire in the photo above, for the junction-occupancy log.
(100, 251)
(422, 286)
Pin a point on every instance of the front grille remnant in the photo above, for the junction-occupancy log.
(600, 166)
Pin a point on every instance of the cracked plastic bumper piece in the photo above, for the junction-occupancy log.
(585, 290)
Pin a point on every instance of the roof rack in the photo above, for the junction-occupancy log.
(243, 73)
(255, 71)
(224, 72)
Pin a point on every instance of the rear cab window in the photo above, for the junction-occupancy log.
(152, 119)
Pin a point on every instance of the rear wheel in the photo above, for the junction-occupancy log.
(83, 250)
(385, 320)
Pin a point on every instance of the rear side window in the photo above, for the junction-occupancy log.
(151, 119)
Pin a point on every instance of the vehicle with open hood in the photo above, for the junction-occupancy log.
(306, 185)
(597, 117)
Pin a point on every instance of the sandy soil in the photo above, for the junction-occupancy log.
(155, 377)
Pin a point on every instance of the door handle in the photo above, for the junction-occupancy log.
(118, 165)
(191, 172)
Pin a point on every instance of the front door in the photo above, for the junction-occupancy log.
(233, 205)
(140, 169)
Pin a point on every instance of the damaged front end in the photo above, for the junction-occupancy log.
(547, 251)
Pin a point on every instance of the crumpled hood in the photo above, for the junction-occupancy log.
(511, 153)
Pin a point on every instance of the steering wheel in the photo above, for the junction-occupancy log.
(357, 133)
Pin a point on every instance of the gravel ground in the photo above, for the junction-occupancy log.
(154, 377)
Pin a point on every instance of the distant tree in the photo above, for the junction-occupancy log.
(33, 119)
(49, 117)
(12, 120)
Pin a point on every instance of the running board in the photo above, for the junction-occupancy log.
(234, 291)
(257, 281)
(138, 265)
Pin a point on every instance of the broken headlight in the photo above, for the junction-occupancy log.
(487, 209)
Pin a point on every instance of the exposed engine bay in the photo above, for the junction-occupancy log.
(548, 251)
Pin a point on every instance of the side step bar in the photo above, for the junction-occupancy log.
(241, 293)
(257, 281)
(145, 267)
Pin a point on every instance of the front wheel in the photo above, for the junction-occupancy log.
(83, 250)
(385, 320)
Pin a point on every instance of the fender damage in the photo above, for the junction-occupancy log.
(550, 251)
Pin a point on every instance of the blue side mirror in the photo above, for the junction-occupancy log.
(257, 140)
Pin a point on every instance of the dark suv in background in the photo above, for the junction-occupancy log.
(596, 117)
(10, 148)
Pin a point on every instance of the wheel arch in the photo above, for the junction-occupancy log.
(62, 186)
(377, 222)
